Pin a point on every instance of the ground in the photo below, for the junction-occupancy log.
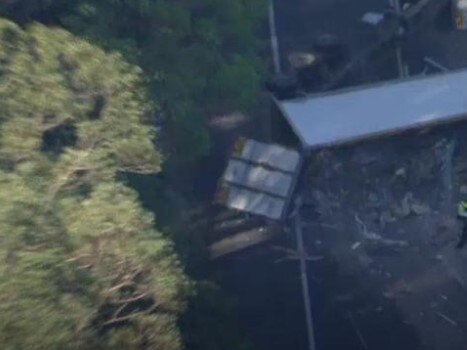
(387, 210)
(430, 34)
(433, 35)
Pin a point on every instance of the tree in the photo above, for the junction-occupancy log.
(198, 56)
(84, 266)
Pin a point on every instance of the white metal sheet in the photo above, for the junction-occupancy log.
(339, 117)
(255, 202)
(271, 155)
(258, 178)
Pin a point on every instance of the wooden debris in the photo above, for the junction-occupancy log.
(241, 241)
(357, 331)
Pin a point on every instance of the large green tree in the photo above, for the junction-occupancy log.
(83, 266)
(199, 56)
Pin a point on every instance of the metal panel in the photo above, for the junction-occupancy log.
(360, 113)
(258, 178)
(255, 202)
(271, 155)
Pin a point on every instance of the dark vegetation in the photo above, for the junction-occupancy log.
(103, 113)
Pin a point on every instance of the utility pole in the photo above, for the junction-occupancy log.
(303, 273)
(400, 64)
(274, 41)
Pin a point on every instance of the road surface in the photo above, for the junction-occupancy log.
(299, 22)
(433, 35)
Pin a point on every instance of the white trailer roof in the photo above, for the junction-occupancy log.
(359, 113)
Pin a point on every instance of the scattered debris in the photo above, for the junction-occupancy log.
(401, 172)
(242, 240)
(409, 205)
(447, 319)
(356, 245)
(362, 156)
(442, 296)
(363, 229)
(357, 331)
(420, 209)
(376, 238)
(292, 254)
(400, 287)
(445, 231)
(386, 218)
(403, 210)
(323, 204)
(395, 243)
(309, 224)
(372, 197)
(365, 260)
(372, 18)
(337, 166)
(448, 223)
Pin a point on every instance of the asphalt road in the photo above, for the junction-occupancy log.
(433, 35)
(299, 22)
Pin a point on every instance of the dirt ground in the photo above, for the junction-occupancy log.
(387, 218)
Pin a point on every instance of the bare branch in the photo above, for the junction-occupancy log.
(130, 316)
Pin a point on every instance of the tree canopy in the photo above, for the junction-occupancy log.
(199, 56)
(83, 266)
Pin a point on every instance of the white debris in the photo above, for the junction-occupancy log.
(372, 18)
(447, 319)
(410, 205)
(403, 210)
(393, 242)
(356, 245)
(386, 218)
(419, 209)
(401, 172)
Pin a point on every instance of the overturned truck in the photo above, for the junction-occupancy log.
(256, 181)
(384, 168)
